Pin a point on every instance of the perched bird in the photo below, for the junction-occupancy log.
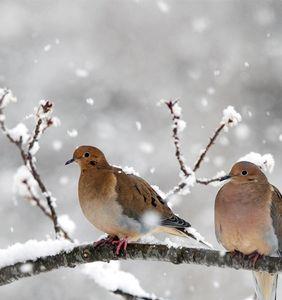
(248, 219)
(124, 206)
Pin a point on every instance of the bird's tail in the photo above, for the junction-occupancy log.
(187, 232)
(266, 285)
(194, 234)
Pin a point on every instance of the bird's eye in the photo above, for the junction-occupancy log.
(244, 173)
(86, 154)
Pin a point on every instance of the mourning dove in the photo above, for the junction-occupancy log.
(121, 205)
(248, 219)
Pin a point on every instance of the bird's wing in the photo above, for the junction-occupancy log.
(276, 214)
(136, 196)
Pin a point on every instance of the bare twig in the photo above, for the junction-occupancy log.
(211, 142)
(175, 134)
(208, 181)
(128, 296)
(182, 184)
(87, 253)
(28, 158)
(43, 208)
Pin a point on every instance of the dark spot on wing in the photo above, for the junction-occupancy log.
(137, 188)
(153, 202)
(160, 199)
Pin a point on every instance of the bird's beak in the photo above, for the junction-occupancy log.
(225, 177)
(69, 161)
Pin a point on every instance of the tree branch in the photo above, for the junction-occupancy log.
(43, 122)
(211, 142)
(87, 253)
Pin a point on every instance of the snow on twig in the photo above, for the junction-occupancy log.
(32, 258)
(230, 118)
(110, 277)
(28, 179)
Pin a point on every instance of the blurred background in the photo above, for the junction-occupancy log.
(124, 56)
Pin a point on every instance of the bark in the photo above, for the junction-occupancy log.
(87, 253)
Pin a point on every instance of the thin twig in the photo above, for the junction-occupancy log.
(28, 161)
(181, 185)
(208, 181)
(128, 296)
(175, 134)
(211, 142)
(44, 210)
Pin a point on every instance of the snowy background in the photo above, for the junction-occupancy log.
(125, 56)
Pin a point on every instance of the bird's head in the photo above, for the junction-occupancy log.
(88, 157)
(245, 172)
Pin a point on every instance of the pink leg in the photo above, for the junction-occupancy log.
(108, 240)
(121, 244)
(254, 257)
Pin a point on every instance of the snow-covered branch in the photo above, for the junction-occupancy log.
(72, 256)
(28, 146)
(230, 118)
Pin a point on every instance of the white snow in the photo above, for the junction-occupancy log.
(218, 161)
(57, 145)
(34, 148)
(31, 250)
(230, 117)
(246, 64)
(200, 24)
(204, 101)
(216, 72)
(181, 125)
(266, 161)
(90, 101)
(47, 47)
(189, 182)
(150, 219)
(110, 277)
(158, 191)
(211, 90)
(72, 133)
(198, 236)
(138, 125)
(20, 131)
(26, 268)
(177, 110)
(163, 6)
(242, 132)
(19, 188)
(82, 73)
(146, 147)
(56, 121)
(129, 170)
(66, 223)
(64, 180)
(8, 98)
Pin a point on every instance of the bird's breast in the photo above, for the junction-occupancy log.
(244, 223)
(98, 201)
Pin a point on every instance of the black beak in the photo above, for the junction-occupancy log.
(225, 177)
(69, 161)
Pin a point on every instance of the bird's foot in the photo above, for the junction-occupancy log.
(254, 257)
(121, 245)
(236, 253)
(108, 240)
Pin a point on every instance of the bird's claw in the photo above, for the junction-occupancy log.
(121, 245)
(108, 240)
